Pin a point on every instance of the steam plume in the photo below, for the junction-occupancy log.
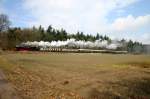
(72, 43)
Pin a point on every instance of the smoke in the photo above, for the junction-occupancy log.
(72, 43)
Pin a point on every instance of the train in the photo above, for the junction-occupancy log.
(67, 50)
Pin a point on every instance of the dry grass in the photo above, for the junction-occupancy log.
(78, 76)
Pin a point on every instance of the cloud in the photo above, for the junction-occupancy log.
(73, 15)
(131, 24)
(130, 27)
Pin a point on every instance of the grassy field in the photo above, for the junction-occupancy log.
(77, 76)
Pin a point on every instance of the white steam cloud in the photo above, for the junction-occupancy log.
(72, 43)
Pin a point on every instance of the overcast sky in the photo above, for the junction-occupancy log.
(128, 19)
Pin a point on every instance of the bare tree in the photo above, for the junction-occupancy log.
(4, 22)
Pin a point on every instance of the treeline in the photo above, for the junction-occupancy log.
(13, 36)
(10, 37)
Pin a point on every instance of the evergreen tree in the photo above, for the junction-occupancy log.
(97, 36)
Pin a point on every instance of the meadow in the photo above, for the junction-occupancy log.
(36, 75)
